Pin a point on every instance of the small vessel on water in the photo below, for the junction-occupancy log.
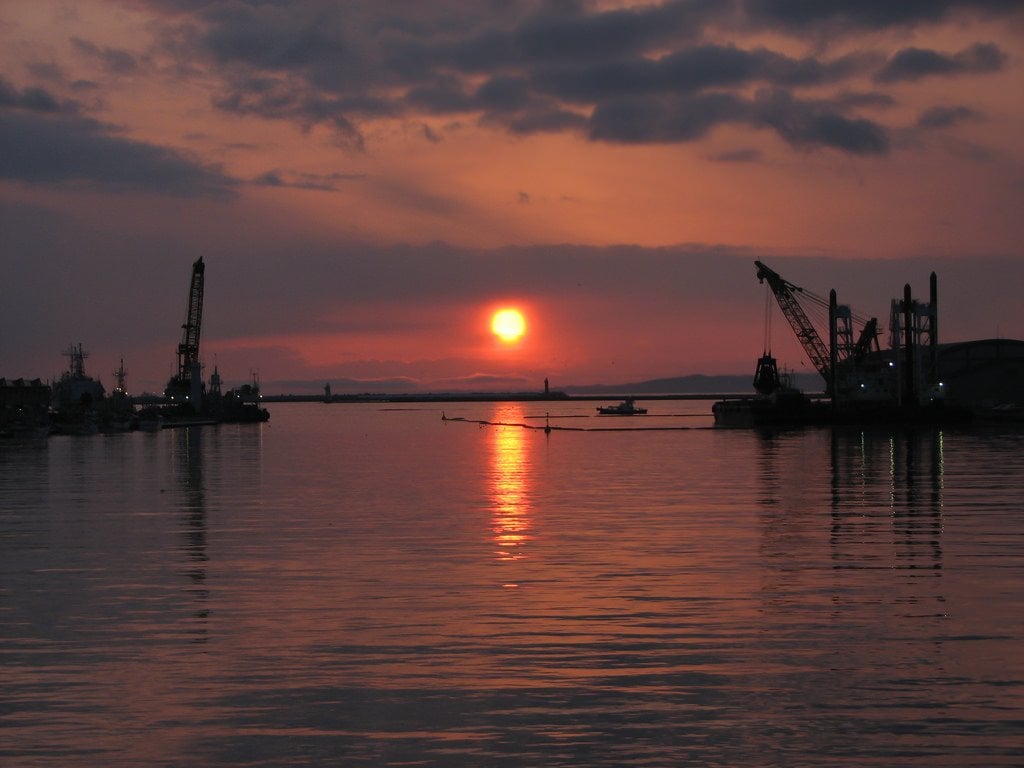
(240, 405)
(625, 408)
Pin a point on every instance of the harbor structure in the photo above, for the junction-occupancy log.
(188, 399)
(186, 389)
(915, 379)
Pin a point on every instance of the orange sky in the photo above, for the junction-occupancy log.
(366, 180)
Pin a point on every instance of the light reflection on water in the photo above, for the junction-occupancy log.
(510, 475)
(335, 587)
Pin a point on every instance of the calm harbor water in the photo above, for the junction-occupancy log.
(364, 585)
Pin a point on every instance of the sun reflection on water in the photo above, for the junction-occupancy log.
(510, 489)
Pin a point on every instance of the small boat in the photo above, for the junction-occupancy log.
(625, 408)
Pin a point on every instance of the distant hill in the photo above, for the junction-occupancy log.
(692, 385)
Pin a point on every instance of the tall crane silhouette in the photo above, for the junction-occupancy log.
(839, 361)
(187, 385)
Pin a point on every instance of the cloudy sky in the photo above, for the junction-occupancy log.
(368, 181)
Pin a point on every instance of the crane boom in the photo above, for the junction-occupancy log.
(805, 332)
(187, 385)
(188, 350)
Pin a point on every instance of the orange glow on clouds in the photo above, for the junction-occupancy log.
(383, 242)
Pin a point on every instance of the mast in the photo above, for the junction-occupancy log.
(76, 364)
(120, 376)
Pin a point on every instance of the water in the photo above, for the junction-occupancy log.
(357, 585)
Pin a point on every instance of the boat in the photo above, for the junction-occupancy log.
(784, 407)
(77, 397)
(625, 408)
(777, 402)
(80, 404)
(242, 405)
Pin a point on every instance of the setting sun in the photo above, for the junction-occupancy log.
(508, 325)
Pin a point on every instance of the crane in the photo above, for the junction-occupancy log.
(837, 359)
(785, 293)
(186, 385)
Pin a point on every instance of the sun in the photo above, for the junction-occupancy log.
(509, 325)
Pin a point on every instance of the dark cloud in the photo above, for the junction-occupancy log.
(275, 37)
(945, 117)
(518, 35)
(746, 155)
(278, 99)
(858, 100)
(865, 14)
(802, 124)
(808, 124)
(115, 60)
(689, 71)
(66, 148)
(651, 119)
(567, 32)
(445, 94)
(85, 86)
(30, 99)
(504, 94)
(649, 73)
(915, 63)
(430, 135)
(45, 70)
(269, 179)
(318, 182)
(856, 136)
(545, 120)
